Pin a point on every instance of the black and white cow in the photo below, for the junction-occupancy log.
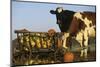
(81, 25)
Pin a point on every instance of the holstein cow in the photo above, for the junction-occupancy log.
(80, 25)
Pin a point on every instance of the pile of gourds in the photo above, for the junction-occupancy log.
(36, 41)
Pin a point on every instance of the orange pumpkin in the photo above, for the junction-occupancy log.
(68, 57)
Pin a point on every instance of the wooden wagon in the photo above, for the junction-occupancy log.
(37, 45)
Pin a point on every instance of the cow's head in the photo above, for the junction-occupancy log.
(59, 14)
(63, 17)
(57, 11)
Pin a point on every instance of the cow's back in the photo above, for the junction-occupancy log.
(91, 16)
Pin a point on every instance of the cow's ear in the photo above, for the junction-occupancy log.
(52, 12)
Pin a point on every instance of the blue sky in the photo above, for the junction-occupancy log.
(37, 17)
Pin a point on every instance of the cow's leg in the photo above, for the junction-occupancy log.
(85, 53)
(79, 38)
(65, 36)
(81, 55)
(85, 43)
(82, 51)
(86, 47)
